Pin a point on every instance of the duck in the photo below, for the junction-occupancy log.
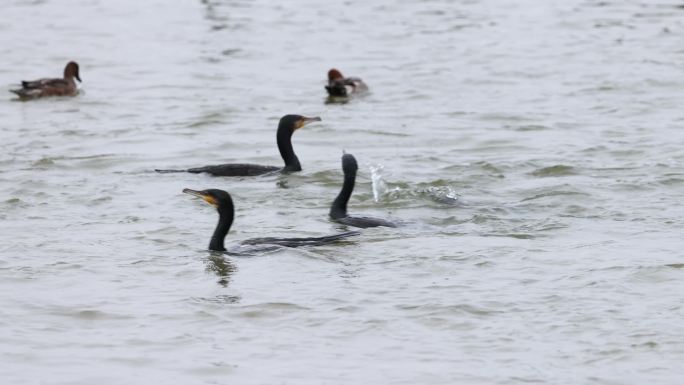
(66, 86)
(340, 86)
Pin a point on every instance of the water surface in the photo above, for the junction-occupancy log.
(532, 149)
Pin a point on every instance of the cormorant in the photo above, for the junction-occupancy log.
(286, 127)
(51, 87)
(339, 86)
(338, 210)
(224, 205)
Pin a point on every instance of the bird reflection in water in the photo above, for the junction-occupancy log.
(218, 264)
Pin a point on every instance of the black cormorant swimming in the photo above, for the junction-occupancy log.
(224, 205)
(286, 127)
(338, 210)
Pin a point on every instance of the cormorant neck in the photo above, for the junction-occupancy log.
(284, 138)
(224, 223)
(339, 206)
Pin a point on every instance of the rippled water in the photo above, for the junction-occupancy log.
(533, 151)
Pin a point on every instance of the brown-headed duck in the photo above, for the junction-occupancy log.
(51, 87)
(339, 86)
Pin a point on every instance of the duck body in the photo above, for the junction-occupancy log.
(66, 86)
(223, 203)
(342, 87)
(286, 127)
(338, 210)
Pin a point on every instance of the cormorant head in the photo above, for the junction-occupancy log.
(291, 123)
(71, 70)
(334, 74)
(224, 205)
(215, 197)
(349, 165)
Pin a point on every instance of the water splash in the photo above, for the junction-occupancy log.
(379, 185)
(444, 194)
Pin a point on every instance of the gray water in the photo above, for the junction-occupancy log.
(532, 150)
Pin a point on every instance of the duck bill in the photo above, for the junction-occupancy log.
(78, 78)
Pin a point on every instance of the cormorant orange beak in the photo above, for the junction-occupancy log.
(304, 121)
(202, 194)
